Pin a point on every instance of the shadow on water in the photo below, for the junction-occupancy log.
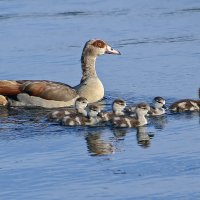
(161, 40)
(184, 11)
(65, 14)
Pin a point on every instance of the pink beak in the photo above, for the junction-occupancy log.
(110, 50)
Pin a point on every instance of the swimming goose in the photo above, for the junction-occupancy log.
(126, 121)
(185, 105)
(79, 108)
(50, 94)
(80, 120)
(118, 106)
(158, 108)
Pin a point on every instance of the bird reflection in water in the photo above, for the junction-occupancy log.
(97, 145)
(4, 112)
(143, 137)
(120, 133)
(159, 122)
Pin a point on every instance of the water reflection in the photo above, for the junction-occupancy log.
(159, 122)
(120, 133)
(3, 112)
(143, 137)
(97, 145)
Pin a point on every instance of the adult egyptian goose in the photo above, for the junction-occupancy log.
(185, 105)
(79, 120)
(79, 108)
(50, 94)
(126, 121)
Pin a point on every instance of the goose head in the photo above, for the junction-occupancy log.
(159, 102)
(97, 47)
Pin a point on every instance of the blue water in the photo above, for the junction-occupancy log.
(160, 46)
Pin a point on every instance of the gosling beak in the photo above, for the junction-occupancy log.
(149, 112)
(165, 107)
(100, 114)
(110, 50)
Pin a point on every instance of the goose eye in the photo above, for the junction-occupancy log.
(99, 43)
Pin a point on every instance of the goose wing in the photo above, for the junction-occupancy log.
(48, 90)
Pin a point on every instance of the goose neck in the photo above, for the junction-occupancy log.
(88, 67)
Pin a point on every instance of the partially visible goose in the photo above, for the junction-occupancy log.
(3, 101)
(118, 106)
(126, 121)
(159, 107)
(79, 108)
(185, 105)
(51, 94)
(80, 120)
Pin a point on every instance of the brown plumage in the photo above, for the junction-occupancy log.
(127, 121)
(91, 119)
(185, 105)
(79, 108)
(9, 87)
(48, 90)
(118, 106)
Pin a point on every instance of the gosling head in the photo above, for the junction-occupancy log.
(81, 103)
(94, 110)
(118, 105)
(159, 102)
(142, 109)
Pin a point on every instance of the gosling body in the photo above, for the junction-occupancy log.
(91, 119)
(185, 105)
(79, 108)
(141, 111)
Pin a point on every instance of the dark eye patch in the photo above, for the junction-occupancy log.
(99, 43)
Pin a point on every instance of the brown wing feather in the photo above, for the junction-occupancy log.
(49, 90)
(9, 87)
(45, 89)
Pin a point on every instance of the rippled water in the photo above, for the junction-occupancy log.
(160, 46)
